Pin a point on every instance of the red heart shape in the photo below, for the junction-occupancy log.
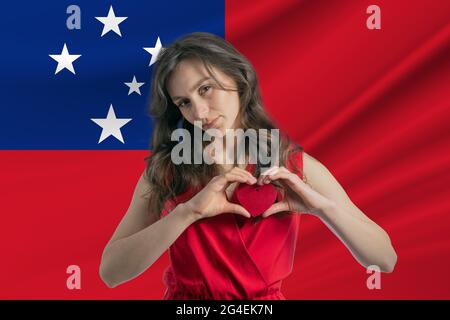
(255, 198)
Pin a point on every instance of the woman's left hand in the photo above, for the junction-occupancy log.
(297, 195)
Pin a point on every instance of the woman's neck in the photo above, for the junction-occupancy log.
(230, 156)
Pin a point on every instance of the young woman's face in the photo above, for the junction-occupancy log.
(200, 98)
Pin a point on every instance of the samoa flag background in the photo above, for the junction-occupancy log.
(373, 105)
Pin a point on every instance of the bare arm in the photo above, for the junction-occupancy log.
(140, 239)
(368, 242)
(325, 198)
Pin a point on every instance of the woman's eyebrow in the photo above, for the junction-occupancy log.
(193, 87)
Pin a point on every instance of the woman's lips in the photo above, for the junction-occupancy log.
(212, 124)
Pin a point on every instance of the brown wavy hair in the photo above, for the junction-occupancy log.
(166, 179)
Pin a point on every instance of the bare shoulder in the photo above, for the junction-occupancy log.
(143, 184)
(141, 195)
(319, 177)
(312, 168)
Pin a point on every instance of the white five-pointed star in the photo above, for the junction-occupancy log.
(154, 51)
(65, 60)
(134, 86)
(111, 22)
(111, 125)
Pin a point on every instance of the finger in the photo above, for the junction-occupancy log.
(231, 178)
(275, 208)
(223, 181)
(265, 178)
(271, 170)
(237, 209)
(241, 176)
(291, 179)
(243, 172)
(248, 175)
(262, 177)
(294, 176)
(282, 170)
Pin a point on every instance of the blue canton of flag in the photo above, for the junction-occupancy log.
(77, 76)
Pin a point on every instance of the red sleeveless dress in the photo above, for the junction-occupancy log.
(230, 257)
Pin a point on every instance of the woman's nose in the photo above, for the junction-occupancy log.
(199, 110)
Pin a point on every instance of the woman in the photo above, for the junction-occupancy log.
(217, 251)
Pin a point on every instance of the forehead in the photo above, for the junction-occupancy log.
(189, 72)
(185, 74)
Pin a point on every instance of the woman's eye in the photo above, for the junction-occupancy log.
(182, 104)
(204, 89)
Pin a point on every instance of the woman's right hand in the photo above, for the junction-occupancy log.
(212, 199)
